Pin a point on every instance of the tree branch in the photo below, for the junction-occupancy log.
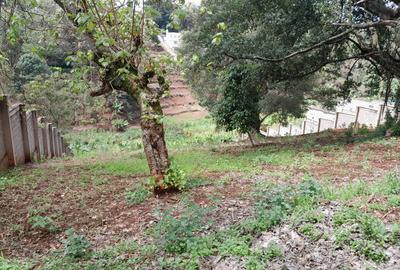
(303, 51)
(370, 24)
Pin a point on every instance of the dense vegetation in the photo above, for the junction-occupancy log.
(300, 52)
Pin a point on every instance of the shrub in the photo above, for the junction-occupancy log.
(42, 223)
(120, 125)
(175, 234)
(76, 246)
(174, 179)
(348, 134)
(396, 129)
(309, 187)
(363, 130)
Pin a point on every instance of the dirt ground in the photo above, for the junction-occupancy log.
(92, 203)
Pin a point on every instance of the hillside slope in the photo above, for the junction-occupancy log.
(181, 103)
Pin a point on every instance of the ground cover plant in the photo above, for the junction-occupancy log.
(315, 197)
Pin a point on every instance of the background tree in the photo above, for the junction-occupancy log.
(298, 45)
(224, 33)
(238, 108)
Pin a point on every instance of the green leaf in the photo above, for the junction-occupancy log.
(222, 26)
(217, 39)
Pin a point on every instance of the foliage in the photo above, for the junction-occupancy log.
(175, 234)
(220, 41)
(137, 194)
(43, 223)
(238, 108)
(175, 178)
(121, 125)
(52, 97)
(27, 68)
(76, 246)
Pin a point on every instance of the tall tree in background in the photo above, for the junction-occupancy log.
(294, 43)
(226, 31)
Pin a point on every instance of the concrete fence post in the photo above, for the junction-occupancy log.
(35, 127)
(51, 140)
(59, 148)
(380, 114)
(319, 125)
(9, 159)
(55, 143)
(279, 130)
(62, 145)
(336, 120)
(357, 117)
(25, 136)
(45, 137)
(290, 130)
(54, 136)
(304, 127)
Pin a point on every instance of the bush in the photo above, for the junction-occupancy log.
(121, 125)
(174, 179)
(76, 246)
(396, 129)
(177, 234)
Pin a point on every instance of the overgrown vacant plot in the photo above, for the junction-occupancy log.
(293, 202)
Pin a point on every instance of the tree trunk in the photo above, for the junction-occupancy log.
(155, 150)
(154, 144)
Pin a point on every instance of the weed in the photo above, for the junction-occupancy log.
(394, 235)
(100, 181)
(76, 246)
(235, 246)
(391, 184)
(273, 251)
(175, 177)
(311, 231)
(174, 234)
(369, 250)
(137, 195)
(120, 125)
(42, 223)
(6, 264)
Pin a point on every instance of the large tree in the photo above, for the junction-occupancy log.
(294, 43)
(228, 33)
(116, 37)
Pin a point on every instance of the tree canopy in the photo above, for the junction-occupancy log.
(298, 47)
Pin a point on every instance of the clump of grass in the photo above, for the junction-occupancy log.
(367, 235)
(42, 223)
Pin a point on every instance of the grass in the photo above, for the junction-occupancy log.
(233, 195)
